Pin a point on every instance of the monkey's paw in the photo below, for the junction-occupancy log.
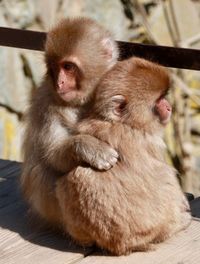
(104, 158)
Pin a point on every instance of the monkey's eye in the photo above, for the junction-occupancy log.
(164, 94)
(69, 66)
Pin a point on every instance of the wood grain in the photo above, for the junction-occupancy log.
(181, 249)
(24, 240)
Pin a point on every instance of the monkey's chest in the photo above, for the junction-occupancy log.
(70, 115)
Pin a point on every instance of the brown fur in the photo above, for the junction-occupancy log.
(138, 201)
(51, 147)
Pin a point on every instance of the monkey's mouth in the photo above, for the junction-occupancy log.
(66, 93)
(65, 90)
(62, 92)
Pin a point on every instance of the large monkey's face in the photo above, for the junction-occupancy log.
(134, 92)
(78, 53)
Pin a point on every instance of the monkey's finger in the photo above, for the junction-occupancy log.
(106, 164)
(114, 153)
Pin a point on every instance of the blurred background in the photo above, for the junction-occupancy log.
(169, 22)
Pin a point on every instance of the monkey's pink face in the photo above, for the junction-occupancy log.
(67, 81)
(163, 109)
(137, 112)
(133, 93)
(74, 81)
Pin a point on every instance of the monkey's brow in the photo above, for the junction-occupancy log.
(176, 57)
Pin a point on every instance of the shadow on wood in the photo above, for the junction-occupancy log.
(14, 217)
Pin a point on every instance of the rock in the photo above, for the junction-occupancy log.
(19, 13)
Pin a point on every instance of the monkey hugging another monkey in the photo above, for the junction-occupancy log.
(94, 154)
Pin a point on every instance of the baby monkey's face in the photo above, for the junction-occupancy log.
(134, 92)
(163, 110)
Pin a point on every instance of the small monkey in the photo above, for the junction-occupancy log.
(138, 201)
(77, 53)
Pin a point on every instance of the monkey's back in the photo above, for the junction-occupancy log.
(131, 202)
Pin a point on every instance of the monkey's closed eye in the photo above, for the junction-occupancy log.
(165, 93)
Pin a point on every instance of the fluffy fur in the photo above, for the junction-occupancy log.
(51, 147)
(138, 201)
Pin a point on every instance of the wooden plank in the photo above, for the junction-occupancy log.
(9, 189)
(4, 163)
(167, 56)
(182, 248)
(9, 169)
(195, 207)
(21, 240)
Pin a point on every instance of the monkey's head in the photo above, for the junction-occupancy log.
(133, 92)
(78, 52)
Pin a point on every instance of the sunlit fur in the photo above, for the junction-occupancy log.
(51, 147)
(138, 202)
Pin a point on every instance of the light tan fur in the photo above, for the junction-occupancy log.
(51, 146)
(138, 201)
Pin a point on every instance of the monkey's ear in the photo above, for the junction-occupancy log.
(110, 47)
(118, 104)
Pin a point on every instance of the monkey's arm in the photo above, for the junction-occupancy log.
(98, 129)
(93, 151)
(64, 151)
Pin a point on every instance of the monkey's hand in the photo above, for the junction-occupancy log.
(96, 153)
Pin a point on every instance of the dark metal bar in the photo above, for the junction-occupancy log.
(24, 39)
(167, 56)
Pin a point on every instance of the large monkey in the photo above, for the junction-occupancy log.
(138, 201)
(78, 52)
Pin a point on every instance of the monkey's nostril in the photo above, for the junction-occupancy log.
(61, 83)
(169, 108)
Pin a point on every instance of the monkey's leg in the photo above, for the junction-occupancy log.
(38, 188)
(183, 214)
(178, 218)
(68, 192)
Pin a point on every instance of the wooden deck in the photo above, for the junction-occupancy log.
(21, 241)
